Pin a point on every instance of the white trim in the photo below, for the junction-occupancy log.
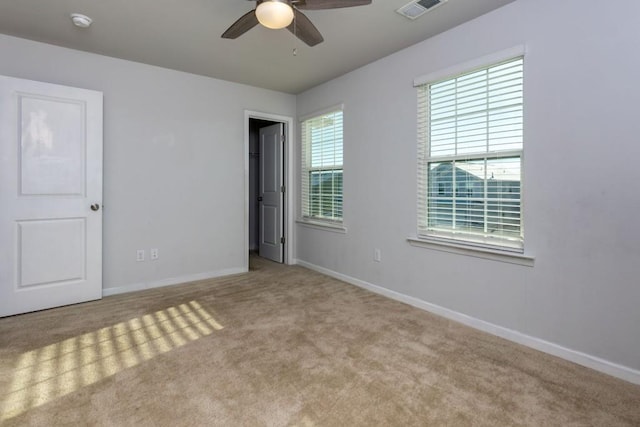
(587, 360)
(320, 225)
(337, 107)
(511, 257)
(289, 181)
(171, 281)
(468, 66)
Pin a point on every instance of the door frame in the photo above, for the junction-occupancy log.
(288, 181)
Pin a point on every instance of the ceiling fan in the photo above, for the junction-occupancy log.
(278, 14)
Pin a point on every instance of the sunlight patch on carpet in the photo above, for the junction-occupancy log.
(56, 370)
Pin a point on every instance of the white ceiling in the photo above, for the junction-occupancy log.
(185, 35)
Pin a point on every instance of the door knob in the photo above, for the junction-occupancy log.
(95, 207)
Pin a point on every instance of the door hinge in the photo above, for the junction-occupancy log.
(282, 239)
(283, 189)
(283, 138)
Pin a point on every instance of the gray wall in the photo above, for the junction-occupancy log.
(581, 195)
(173, 160)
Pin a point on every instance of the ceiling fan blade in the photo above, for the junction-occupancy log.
(304, 29)
(329, 4)
(241, 26)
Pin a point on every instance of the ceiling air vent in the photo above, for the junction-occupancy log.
(415, 9)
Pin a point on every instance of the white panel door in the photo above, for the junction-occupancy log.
(271, 142)
(50, 195)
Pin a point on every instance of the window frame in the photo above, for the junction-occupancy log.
(460, 238)
(317, 221)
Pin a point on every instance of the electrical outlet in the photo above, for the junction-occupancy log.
(154, 254)
(377, 255)
(140, 255)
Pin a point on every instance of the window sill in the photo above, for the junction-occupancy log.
(327, 226)
(473, 251)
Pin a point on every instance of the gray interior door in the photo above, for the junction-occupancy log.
(271, 192)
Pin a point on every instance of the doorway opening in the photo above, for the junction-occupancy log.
(268, 201)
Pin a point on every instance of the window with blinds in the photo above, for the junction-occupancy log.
(322, 167)
(470, 144)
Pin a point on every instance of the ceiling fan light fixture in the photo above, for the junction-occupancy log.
(274, 14)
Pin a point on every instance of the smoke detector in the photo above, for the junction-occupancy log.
(416, 9)
(81, 21)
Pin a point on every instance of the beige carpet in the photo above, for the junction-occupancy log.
(284, 346)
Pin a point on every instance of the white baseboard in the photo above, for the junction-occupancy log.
(596, 363)
(171, 281)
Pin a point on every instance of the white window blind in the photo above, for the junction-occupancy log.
(322, 167)
(470, 145)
